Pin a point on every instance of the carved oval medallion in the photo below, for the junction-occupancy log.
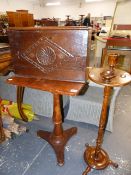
(46, 56)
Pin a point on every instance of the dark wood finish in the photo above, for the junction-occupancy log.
(11, 18)
(126, 53)
(108, 74)
(95, 156)
(59, 137)
(30, 20)
(66, 48)
(20, 18)
(122, 27)
(54, 60)
(2, 135)
(4, 39)
(121, 77)
(23, 16)
(54, 86)
(114, 43)
(49, 22)
(5, 60)
(20, 94)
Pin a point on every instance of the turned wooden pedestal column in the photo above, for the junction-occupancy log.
(59, 137)
(96, 157)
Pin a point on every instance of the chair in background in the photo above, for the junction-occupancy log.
(121, 47)
(50, 59)
(124, 58)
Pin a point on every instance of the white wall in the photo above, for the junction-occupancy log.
(105, 8)
(96, 9)
(13, 5)
(123, 13)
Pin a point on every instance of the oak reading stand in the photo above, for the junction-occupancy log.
(50, 59)
(95, 156)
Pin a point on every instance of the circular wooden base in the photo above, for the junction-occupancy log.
(58, 142)
(101, 162)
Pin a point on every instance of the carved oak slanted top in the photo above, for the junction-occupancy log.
(55, 53)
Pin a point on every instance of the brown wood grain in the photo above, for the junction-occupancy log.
(51, 59)
(60, 53)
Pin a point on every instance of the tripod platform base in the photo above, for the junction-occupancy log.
(100, 162)
(58, 142)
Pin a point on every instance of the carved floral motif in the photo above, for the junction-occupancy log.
(46, 56)
(42, 54)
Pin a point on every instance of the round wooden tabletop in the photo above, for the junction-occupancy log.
(121, 77)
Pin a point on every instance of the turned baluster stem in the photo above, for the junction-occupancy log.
(103, 120)
(57, 118)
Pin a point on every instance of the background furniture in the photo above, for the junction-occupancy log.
(69, 21)
(20, 18)
(81, 19)
(122, 47)
(5, 58)
(4, 39)
(121, 27)
(49, 22)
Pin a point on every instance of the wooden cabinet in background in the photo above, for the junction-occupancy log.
(23, 17)
(11, 18)
(20, 18)
(30, 20)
